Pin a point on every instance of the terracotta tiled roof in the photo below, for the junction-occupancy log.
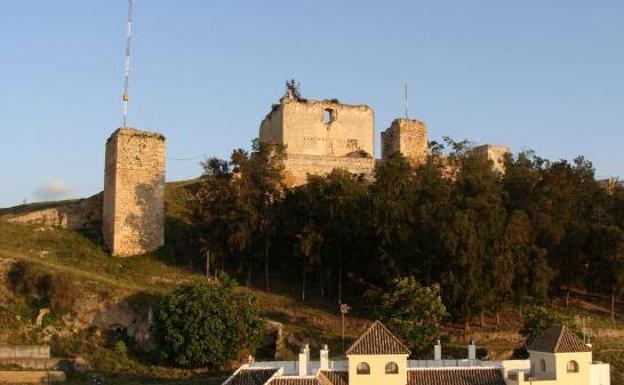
(294, 380)
(558, 339)
(377, 339)
(334, 377)
(455, 376)
(251, 376)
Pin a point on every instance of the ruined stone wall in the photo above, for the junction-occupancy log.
(297, 167)
(133, 206)
(72, 215)
(495, 154)
(322, 128)
(407, 136)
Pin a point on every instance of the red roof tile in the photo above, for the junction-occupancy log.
(294, 380)
(377, 339)
(334, 377)
(455, 376)
(251, 376)
(558, 339)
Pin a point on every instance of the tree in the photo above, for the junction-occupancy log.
(234, 205)
(204, 324)
(538, 319)
(413, 312)
(292, 89)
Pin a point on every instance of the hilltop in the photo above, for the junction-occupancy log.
(111, 297)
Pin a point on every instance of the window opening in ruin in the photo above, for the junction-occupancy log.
(329, 116)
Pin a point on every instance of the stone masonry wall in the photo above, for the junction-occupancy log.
(297, 167)
(322, 128)
(72, 215)
(494, 153)
(30, 376)
(133, 207)
(407, 136)
(25, 351)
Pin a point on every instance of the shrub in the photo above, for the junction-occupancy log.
(53, 290)
(205, 324)
(120, 348)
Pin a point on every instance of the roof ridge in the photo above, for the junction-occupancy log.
(371, 328)
(563, 328)
(368, 330)
(392, 334)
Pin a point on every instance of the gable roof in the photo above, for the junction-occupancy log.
(455, 376)
(251, 376)
(558, 339)
(377, 339)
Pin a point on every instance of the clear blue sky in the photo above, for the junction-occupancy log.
(533, 74)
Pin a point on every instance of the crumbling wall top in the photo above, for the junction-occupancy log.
(129, 131)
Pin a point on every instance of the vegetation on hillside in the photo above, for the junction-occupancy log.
(485, 239)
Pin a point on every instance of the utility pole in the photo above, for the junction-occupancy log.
(344, 309)
(126, 95)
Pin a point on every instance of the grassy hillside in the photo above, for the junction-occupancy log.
(100, 281)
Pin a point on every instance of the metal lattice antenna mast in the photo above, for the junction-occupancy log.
(406, 102)
(126, 96)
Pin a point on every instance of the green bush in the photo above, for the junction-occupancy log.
(120, 348)
(205, 324)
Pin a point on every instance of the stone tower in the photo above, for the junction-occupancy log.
(321, 135)
(133, 218)
(407, 136)
(495, 154)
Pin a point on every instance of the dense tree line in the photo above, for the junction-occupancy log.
(481, 238)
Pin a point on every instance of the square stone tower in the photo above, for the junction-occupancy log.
(321, 135)
(407, 136)
(133, 218)
(495, 154)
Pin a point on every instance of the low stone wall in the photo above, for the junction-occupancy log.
(24, 351)
(73, 215)
(30, 377)
(31, 363)
(297, 167)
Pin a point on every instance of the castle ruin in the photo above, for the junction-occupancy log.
(320, 136)
(407, 136)
(133, 213)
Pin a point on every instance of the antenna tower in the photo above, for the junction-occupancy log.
(126, 96)
(406, 102)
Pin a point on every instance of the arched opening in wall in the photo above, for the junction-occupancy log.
(542, 365)
(363, 368)
(329, 116)
(392, 368)
(573, 367)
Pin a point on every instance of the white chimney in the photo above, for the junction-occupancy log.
(324, 357)
(303, 363)
(437, 351)
(472, 351)
(306, 350)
